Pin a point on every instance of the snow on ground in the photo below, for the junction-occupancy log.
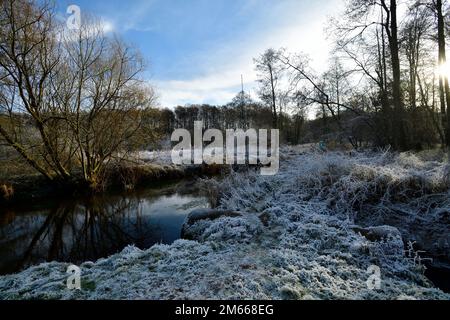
(161, 157)
(296, 238)
(164, 157)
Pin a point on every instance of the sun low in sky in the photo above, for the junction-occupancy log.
(444, 70)
(197, 50)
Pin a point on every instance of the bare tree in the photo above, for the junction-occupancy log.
(73, 97)
(28, 57)
(379, 20)
(444, 89)
(270, 72)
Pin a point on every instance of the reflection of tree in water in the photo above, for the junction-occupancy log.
(98, 228)
(6, 217)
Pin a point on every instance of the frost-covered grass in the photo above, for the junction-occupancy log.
(161, 157)
(297, 238)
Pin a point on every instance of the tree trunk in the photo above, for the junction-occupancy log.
(385, 111)
(274, 99)
(399, 136)
(399, 132)
(412, 56)
(444, 90)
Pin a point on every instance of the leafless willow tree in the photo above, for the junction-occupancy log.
(70, 100)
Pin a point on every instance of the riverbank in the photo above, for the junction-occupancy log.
(35, 188)
(302, 234)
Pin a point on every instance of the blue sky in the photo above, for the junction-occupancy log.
(198, 49)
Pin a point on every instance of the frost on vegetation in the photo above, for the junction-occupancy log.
(225, 229)
(310, 232)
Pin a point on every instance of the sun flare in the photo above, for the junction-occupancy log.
(444, 70)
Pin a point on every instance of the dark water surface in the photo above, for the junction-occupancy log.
(79, 230)
(439, 276)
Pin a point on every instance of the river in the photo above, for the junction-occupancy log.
(86, 229)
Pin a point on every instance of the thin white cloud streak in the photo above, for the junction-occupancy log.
(135, 18)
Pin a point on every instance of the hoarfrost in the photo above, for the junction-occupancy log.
(310, 232)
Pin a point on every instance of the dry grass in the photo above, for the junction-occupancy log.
(6, 191)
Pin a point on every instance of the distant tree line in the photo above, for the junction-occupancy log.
(241, 113)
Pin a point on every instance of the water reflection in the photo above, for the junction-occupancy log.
(77, 231)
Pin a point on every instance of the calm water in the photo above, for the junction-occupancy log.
(89, 229)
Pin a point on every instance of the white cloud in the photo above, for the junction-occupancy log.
(135, 18)
(171, 97)
(88, 30)
(107, 26)
(218, 86)
(224, 65)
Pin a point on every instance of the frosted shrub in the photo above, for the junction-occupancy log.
(231, 229)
